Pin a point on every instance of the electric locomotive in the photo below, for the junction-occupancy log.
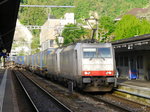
(89, 66)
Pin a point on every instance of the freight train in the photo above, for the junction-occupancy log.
(89, 66)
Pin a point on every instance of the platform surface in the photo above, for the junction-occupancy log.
(137, 83)
(136, 87)
(8, 102)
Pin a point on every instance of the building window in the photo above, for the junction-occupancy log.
(51, 43)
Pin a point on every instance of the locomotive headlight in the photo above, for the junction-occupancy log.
(87, 73)
(108, 73)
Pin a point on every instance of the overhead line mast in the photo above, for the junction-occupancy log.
(43, 6)
(48, 6)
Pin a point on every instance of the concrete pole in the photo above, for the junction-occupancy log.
(96, 29)
(129, 62)
(0, 62)
(136, 67)
(3, 62)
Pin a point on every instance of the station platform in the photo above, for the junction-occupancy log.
(139, 83)
(8, 101)
(138, 88)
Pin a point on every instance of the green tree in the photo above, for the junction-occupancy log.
(37, 16)
(33, 16)
(128, 26)
(35, 45)
(106, 28)
(112, 8)
(22, 53)
(144, 27)
(73, 33)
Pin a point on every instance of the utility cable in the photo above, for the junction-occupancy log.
(4, 1)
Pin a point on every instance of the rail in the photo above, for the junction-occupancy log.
(40, 98)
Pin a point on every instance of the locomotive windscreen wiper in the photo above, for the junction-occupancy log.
(91, 58)
(103, 58)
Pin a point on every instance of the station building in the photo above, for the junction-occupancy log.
(133, 56)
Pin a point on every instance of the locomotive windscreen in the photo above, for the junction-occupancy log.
(96, 53)
(89, 53)
(104, 52)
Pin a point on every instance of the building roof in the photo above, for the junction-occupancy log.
(141, 42)
(8, 11)
(138, 12)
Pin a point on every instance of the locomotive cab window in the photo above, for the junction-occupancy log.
(89, 52)
(104, 52)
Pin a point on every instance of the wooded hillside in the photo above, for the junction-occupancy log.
(111, 8)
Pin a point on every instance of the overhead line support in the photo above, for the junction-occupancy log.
(48, 6)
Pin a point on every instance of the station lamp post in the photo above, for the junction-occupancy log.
(3, 57)
(60, 40)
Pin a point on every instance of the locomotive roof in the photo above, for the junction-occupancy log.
(88, 41)
(82, 41)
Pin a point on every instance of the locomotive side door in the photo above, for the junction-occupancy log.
(76, 61)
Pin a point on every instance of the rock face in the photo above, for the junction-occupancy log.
(22, 33)
(22, 40)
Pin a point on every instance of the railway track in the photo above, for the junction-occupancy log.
(106, 101)
(41, 100)
(133, 96)
(110, 104)
(120, 104)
